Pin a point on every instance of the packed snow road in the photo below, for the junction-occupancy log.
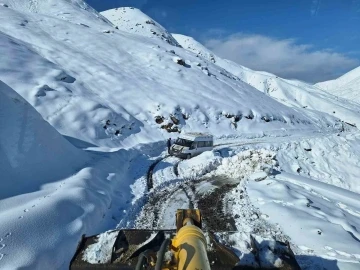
(252, 187)
(173, 191)
(204, 194)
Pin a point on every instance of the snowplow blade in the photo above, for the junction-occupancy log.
(129, 244)
(140, 249)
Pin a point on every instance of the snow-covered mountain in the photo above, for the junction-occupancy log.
(132, 20)
(196, 47)
(135, 90)
(346, 86)
(87, 100)
(289, 92)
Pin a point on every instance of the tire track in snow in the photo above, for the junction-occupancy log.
(150, 173)
(158, 212)
(152, 211)
(163, 197)
(176, 169)
(150, 182)
(212, 204)
(185, 188)
(154, 206)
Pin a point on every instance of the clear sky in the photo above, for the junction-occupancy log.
(311, 40)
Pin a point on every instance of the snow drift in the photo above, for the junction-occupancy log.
(51, 192)
(31, 150)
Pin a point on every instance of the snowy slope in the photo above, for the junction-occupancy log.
(52, 193)
(75, 11)
(289, 92)
(132, 20)
(196, 47)
(347, 86)
(110, 95)
(27, 146)
(327, 219)
(34, 159)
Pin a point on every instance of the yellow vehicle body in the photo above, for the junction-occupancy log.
(186, 248)
(189, 245)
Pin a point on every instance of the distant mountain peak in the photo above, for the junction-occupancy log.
(347, 86)
(133, 20)
(194, 46)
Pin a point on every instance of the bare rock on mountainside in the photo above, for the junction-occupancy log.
(185, 116)
(62, 76)
(174, 119)
(159, 119)
(237, 118)
(181, 62)
(150, 22)
(41, 91)
(170, 128)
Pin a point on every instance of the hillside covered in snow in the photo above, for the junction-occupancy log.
(289, 92)
(347, 86)
(87, 101)
(112, 95)
(132, 20)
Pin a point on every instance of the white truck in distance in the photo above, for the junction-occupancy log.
(192, 144)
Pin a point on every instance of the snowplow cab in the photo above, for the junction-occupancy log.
(189, 145)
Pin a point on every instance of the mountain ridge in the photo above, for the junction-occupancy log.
(346, 86)
(292, 93)
(90, 91)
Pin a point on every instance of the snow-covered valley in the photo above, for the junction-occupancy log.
(87, 101)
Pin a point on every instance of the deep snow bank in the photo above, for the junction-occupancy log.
(237, 166)
(333, 159)
(32, 152)
(320, 220)
(40, 228)
(51, 192)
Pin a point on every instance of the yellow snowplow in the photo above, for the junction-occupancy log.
(186, 248)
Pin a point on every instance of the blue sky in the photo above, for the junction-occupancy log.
(321, 38)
